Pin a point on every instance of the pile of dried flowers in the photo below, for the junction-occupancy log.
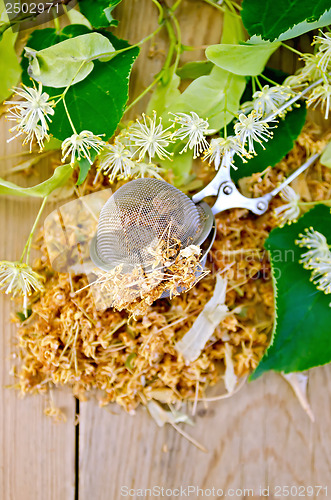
(134, 360)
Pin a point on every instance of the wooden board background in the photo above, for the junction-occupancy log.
(259, 437)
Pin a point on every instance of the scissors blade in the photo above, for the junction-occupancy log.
(295, 174)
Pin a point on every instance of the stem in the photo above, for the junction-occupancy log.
(269, 80)
(175, 6)
(218, 7)
(292, 49)
(56, 21)
(258, 82)
(27, 247)
(172, 46)
(178, 40)
(144, 92)
(125, 49)
(253, 85)
(160, 9)
(61, 96)
(69, 117)
(230, 6)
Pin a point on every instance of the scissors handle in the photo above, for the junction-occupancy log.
(228, 196)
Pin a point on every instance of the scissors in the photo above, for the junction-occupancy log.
(228, 195)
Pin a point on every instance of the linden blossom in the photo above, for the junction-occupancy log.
(18, 278)
(149, 138)
(324, 50)
(31, 114)
(319, 249)
(250, 129)
(193, 128)
(269, 99)
(321, 95)
(79, 144)
(115, 160)
(290, 211)
(220, 145)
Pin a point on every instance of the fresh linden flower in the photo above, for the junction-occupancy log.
(294, 81)
(193, 128)
(291, 210)
(18, 278)
(310, 70)
(150, 138)
(218, 147)
(321, 95)
(115, 160)
(250, 129)
(142, 169)
(246, 107)
(321, 275)
(31, 114)
(269, 99)
(318, 248)
(324, 51)
(80, 145)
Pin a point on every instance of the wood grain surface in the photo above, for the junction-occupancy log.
(260, 437)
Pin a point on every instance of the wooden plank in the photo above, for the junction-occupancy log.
(37, 456)
(259, 437)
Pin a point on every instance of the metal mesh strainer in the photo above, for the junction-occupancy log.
(137, 215)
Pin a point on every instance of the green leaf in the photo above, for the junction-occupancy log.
(215, 97)
(301, 335)
(276, 148)
(99, 12)
(98, 102)
(84, 167)
(74, 56)
(232, 30)
(326, 156)
(59, 178)
(273, 18)
(22, 316)
(248, 60)
(306, 26)
(193, 70)
(180, 164)
(165, 93)
(10, 70)
(76, 17)
(52, 144)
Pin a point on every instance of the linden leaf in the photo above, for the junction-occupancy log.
(74, 56)
(276, 148)
(247, 59)
(232, 30)
(193, 70)
(215, 96)
(77, 17)
(99, 12)
(180, 163)
(10, 70)
(97, 103)
(301, 334)
(59, 178)
(277, 17)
